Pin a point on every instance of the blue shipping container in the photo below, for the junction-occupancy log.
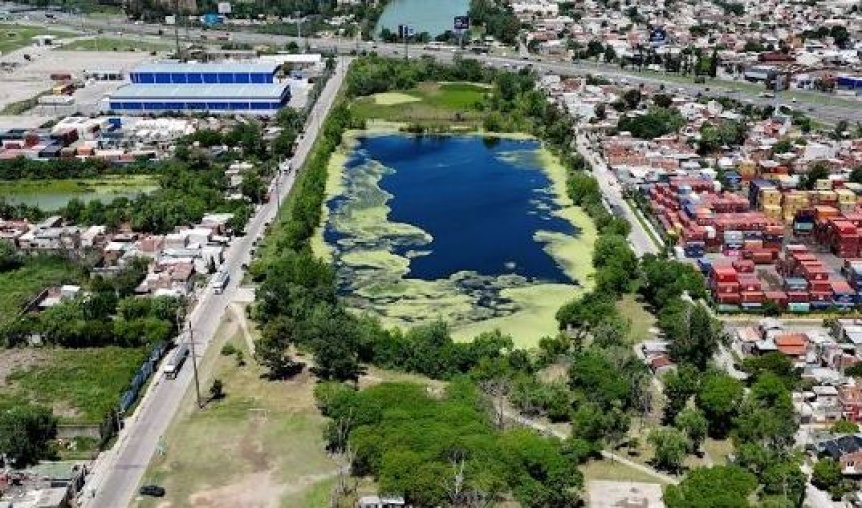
(799, 306)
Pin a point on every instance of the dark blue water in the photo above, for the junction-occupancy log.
(482, 201)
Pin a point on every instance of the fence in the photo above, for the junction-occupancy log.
(111, 425)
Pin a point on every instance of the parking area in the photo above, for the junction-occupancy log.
(25, 79)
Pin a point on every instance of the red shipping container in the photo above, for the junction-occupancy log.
(819, 285)
(820, 296)
(744, 266)
(779, 297)
(726, 287)
(724, 274)
(729, 299)
(798, 296)
(752, 296)
(749, 282)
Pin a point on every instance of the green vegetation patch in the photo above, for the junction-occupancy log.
(107, 185)
(14, 36)
(80, 385)
(110, 44)
(428, 102)
(23, 284)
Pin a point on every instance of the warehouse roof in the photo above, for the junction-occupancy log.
(219, 68)
(214, 92)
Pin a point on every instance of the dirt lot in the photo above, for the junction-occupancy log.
(21, 358)
(610, 494)
(261, 446)
(30, 78)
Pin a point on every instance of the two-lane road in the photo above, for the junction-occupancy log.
(116, 480)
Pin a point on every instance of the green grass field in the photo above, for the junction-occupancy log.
(641, 320)
(13, 36)
(428, 102)
(614, 471)
(81, 385)
(23, 284)
(113, 44)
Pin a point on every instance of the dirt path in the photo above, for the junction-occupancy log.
(242, 320)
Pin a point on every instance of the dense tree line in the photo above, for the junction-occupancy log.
(109, 314)
(30, 169)
(497, 18)
(442, 450)
(656, 122)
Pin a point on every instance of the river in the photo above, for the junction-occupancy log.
(432, 16)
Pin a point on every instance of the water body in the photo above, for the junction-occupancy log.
(470, 230)
(55, 200)
(432, 16)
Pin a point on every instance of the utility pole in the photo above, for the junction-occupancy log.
(195, 365)
(298, 28)
(176, 26)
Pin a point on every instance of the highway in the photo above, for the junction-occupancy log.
(119, 472)
(829, 112)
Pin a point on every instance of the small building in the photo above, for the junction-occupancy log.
(381, 502)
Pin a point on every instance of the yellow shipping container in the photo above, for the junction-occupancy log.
(770, 197)
(823, 184)
(846, 196)
(772, 212)
(847, 207)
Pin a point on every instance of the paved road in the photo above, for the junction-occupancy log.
(828, 113)
(120, 472)
(639, 239)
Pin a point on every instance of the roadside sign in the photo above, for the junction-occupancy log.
(462, 23)
(224, 8)
(658, 36)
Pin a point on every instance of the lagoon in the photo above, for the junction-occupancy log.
(52, 195)
(475, 231)
(434, 17)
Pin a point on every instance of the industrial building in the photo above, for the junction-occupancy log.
(176, 73)
(222, 88)
(265, 99)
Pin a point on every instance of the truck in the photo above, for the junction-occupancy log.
(220, 281)
(176, 362)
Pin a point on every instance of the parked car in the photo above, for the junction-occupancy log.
(152, 490)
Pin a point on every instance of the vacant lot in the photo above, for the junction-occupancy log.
(428, 102)
(81, 385)
(260, 446)
(23, 284)
(113, 44)
(13, 37)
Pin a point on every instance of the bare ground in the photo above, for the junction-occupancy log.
(19, 358)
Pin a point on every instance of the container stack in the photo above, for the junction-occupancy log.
(724, 283)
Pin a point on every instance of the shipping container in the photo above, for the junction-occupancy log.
(801, 307)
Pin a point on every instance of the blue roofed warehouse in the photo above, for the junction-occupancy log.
(177, 73)
(227, 98)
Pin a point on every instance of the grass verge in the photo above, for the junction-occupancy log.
(631, 308)
(112, 44)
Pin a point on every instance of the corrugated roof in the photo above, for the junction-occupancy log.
(223, 68)
(211, 92)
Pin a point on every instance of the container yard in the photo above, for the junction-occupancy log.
(767, 242)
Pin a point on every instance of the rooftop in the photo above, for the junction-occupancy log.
(212, 92)
(220, 68)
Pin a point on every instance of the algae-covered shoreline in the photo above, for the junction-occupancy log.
(374, 279)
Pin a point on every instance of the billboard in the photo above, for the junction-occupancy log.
(170, 20)
(224, 8)
(211, 18)
(462, 23)
(658, 36)
(405, 31)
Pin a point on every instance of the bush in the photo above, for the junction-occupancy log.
(229, 349)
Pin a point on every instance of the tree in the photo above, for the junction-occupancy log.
(632, 98)
(854, 370)
(713, 487)
(610, 54)
(695, 336)
(693, 423)
(271, 349)
(9, 257)
(819, 171)
(774, 363)
(217, 390)
(856, 174)
(671, 446)
(845, 427)
(679, 386)
(719, 397)
(826, 475)
(25, 434)
(766, 416)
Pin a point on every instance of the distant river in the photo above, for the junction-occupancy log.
(432, 16)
